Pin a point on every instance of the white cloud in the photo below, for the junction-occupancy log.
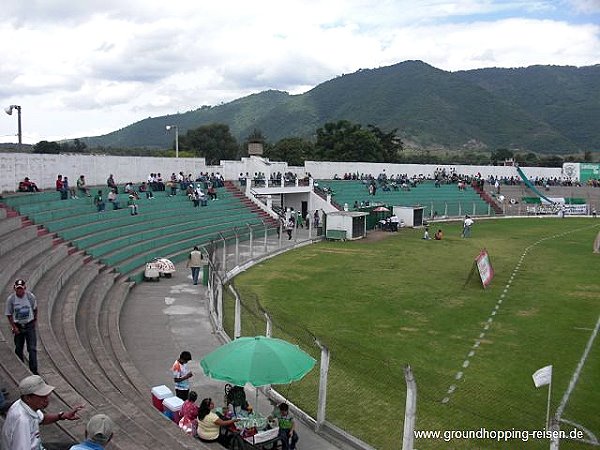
(96, 66)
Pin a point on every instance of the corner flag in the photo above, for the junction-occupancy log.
(543, 376)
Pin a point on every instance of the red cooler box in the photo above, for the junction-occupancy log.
(159, 393)
(172, 406)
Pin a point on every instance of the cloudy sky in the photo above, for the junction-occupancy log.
(89, 67)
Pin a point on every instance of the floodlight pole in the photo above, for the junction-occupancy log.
(169, 127)
(19, 132)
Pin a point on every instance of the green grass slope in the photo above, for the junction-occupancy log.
(380, 305)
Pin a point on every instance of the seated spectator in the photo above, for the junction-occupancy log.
(59, 183)
(426, 234)
(212, 192)
(99, 201)
(130, 189)
(67, 190)
(132, 205)
(28, 186)
(159, 182)
(111, 183)
(236, 397)
(189, 414)
(172, 185)
(82, 186)
(209, 424)
(64, 193)
(196, 199)
(146, 189)
(98, 433)
(287, 433)
(439, 235)
(112, 198)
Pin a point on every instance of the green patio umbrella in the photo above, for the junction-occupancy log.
(258, 360)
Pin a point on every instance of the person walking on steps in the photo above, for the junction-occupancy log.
(195, 263)
(21, 311)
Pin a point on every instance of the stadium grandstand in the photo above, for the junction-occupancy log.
(85, 263)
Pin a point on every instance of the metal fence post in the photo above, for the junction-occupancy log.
(237, 326)
(269, 330)
(321, 407)
(410, 412)
(224, 253)
(266, 237)
(251, 240)
(237, 247)
(219, 293)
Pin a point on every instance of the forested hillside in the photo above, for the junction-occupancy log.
(543, 109)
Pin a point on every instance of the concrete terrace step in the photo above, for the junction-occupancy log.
(57, 366)
(63, 319)
(12, 236)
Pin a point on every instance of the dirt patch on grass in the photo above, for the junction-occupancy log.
(376, 236)
(528, 312)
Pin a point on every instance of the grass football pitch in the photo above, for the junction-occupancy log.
(379, 304)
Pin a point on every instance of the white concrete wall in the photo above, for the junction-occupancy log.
(43, 169)
(327, 170)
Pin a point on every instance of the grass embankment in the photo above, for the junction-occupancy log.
(380, 305)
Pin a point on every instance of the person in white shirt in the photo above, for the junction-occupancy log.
(467, 224)
(21, 430)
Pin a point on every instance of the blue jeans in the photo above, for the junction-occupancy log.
(288, 443)
(27, 334)
(195, 273)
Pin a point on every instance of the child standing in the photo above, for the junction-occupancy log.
(287, 433)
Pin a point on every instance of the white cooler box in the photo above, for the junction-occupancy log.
(159, 393)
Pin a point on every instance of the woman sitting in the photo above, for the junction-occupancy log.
(209, 424)
(28, 186)
(189, 414)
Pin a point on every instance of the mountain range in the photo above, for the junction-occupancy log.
(541, 109)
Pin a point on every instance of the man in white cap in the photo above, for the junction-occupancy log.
(98, 433)
(21, 430)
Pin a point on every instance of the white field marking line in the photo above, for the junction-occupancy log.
(593, 439)
(490, 319)
(575, 376)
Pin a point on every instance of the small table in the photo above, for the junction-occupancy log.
(255, 432)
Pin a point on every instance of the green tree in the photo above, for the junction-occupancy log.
(500, 155)
(391, 145)
(529, 159)
(293, 150)
(47, 147)
(551, 161)
(213, 142)
(345, 141)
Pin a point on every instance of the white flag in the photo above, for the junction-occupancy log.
(542, 377)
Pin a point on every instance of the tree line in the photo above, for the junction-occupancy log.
(334, 141)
